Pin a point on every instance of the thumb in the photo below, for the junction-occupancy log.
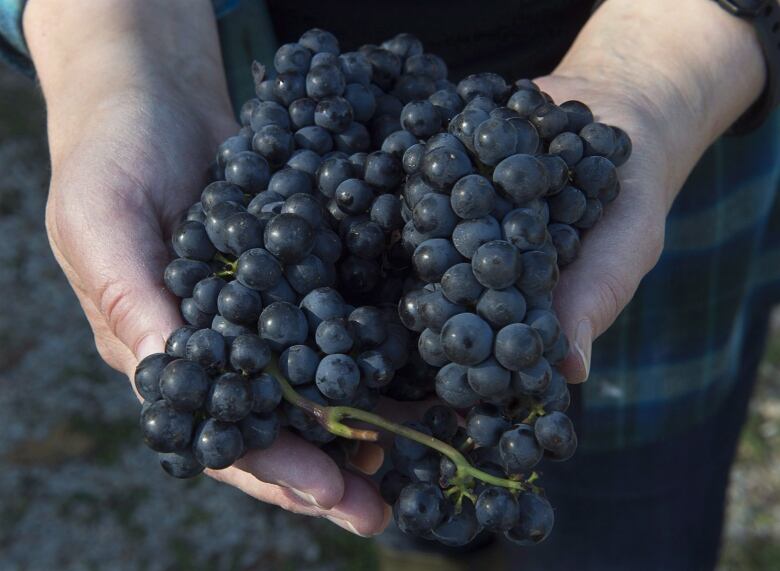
(614, 258)
(114, 255)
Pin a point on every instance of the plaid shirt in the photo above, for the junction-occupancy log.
(675, 352)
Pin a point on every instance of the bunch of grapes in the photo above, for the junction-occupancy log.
(376, 230)
(494, 206)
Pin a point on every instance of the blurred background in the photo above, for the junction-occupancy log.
(79, 491)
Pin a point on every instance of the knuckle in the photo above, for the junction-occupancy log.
(612, 294)
(115, 302)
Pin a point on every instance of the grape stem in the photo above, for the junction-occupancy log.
(331, 417)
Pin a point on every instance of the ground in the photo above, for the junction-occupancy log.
(78, 491)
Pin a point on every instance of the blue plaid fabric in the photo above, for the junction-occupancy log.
(674, 353)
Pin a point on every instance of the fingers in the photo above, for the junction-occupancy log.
(368, 458)
(115, 261)
(298, 466)
(359, 508)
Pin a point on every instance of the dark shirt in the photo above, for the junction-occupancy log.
(521, 38)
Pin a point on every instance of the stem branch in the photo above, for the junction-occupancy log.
(331, 417)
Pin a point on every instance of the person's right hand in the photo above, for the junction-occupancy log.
(134, 118)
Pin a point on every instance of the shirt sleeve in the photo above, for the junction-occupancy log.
(13, 48)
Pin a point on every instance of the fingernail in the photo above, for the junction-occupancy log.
(583, 342)
(368, 458)
(344, 524)
(307, 498)
(152, 343)
(388, 516)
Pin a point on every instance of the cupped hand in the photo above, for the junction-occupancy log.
(130, 169)
(627, 242)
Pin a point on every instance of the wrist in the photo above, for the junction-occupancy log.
(690, 67)
(100, 52)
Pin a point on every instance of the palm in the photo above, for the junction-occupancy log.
(628, 240)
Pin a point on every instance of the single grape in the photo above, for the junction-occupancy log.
(466, 339)
(533, 379)
(501, 307)
(217, 444)
(567, 243)
(207, 348)
(473, 197)
(383, 171)
(578, 115)
(282, 325)
(334, 336)
(421, 118)
(546, 324)
(230, 398)
(184, 385)
(430, 348)
(540, 273)
(519, 450)
(489, 379)
(281, 291)
(287, 182)
(376, 370)
(337, 376)
(485, 425)
(494, 140)
(289, 237)
(258, 269)
(248, 170)
(447, 102)
(459, 285)
(175, 346)
(442, 422)
(182, 464)
(497, 264)
(259, 431)
(298, 364)
(569, 147)
(458, 528)
(190, 240)
(292, 58)
(164, 428)
(469, 235)
(434, 257)
(182, 274)
(420, 507)
(323, 303)
(302, 113)
(313, 138)
(266, 393)
(433, 216)
(525, 101)
(442, 167)
(535, 522)
(555, 433)
(521, 177)
(496, 509)
(599, 139)
(436, 309)
(239, 304)
(249, 354)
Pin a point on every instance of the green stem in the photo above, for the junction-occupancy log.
(331, 417)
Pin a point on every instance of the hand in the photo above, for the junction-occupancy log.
(130, 135)
(650, 69)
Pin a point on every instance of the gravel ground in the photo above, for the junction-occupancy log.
(79, 491)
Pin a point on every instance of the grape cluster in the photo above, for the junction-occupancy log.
(495, 202)
(375, 229)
